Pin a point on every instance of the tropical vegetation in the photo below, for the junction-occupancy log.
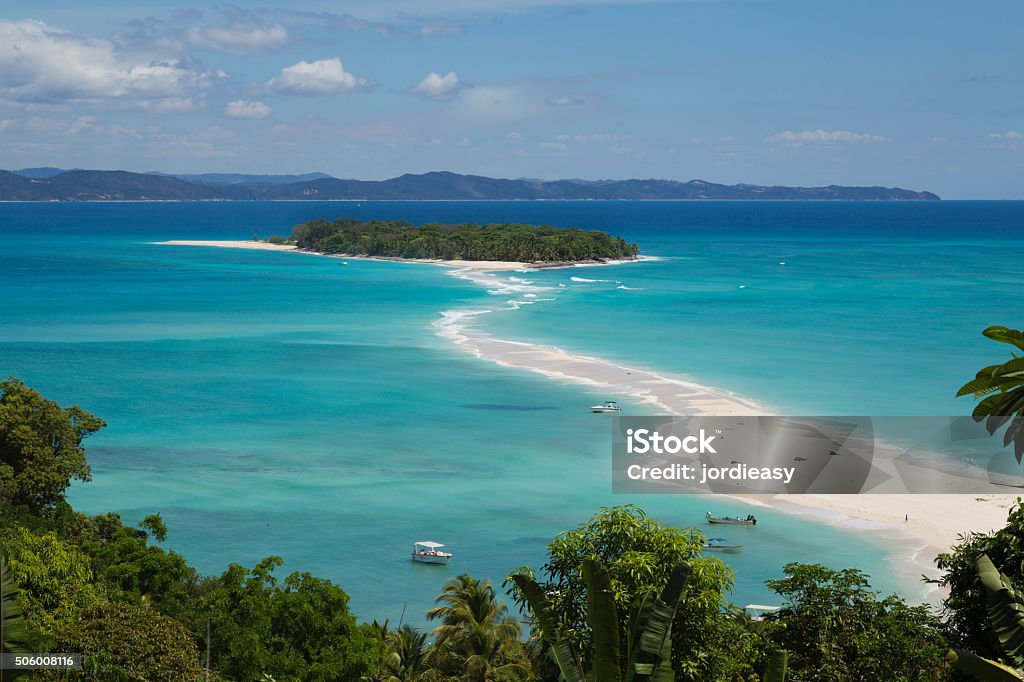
(494, 242)
(1000, 391)
(619, 598)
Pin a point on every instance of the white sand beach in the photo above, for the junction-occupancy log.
(935, 519)
(489, 265)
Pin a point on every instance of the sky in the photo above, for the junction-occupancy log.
(921, 95)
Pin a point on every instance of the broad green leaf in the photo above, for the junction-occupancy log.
(775, 671)
(603, 620)
(1005, 609)
(983, 669)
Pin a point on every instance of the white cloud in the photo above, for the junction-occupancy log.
(823, 137)
(939, 140)
(1008, 135)
(553, 146)
(696, 140)
(436, 86)
(323, 77)
(41, 63)
(4, 123)
(82, 123)
(566, 101)
(597, 137)
(237, 38)
(216, 133)
(243, 108)
(172, 105)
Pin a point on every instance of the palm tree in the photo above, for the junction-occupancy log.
(405, 656)
(476, 631)
(1001, 391)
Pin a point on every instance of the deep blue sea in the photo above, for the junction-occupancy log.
(276, 403)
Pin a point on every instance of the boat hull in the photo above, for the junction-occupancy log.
(431, 558)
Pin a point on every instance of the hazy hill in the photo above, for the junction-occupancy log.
(89, 185)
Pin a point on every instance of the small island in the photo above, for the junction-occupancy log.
(536, 245)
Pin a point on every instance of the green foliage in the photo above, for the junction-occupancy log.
(1006, 615)
(836, 628)
(155, 526)
(640, 554)
(14, 632)
(298, 630)
(405, 655)
(132, 570)
(775, 670)
(124, 641)
(56, 578)
(982, 668)
(648, 652)
(1005, 610)
(477, 638)
(964, 608)
(276, 239)
(1000, 388)
(499, 242)
(40, 447)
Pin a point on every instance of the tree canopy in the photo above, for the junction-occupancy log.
(639, 554)
(835, 627)
(468, 241)
(40, 447)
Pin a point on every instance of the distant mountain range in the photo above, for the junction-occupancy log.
(55, 184)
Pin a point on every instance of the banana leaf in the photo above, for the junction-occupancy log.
(560, 650)
(603, 620)
(1001, 334)
(15, 631)
(984, 669)
(775, 671)
(652, 647)
(1005, 609)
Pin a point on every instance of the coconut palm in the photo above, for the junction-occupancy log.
(476, 633)
(405, 655)
(1001, 391)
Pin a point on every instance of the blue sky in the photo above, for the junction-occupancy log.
(913, 94)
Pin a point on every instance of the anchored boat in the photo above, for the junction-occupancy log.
(734, 520)
(609, 406)
(428, 552)
(718, 545)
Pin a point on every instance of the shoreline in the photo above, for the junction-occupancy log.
(925, 516)
(489, 265)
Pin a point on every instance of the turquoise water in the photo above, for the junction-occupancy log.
(273, 403)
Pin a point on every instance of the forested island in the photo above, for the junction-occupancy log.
(514, 242)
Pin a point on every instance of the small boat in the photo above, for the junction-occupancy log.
(609, 406)
(750, 520)
(716, 545)
(429, 552)
(757, 612)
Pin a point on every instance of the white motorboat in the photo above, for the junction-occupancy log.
(718, 545)
(429, 552)
(750, 520)
(609, 406)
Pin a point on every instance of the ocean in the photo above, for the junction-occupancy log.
(272, 403)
